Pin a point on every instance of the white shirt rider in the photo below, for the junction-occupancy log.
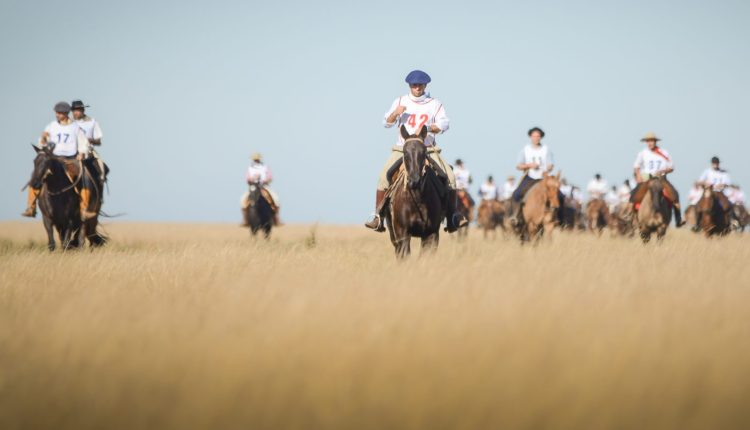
(623, 193)
(508, 188)
(463, 177)
(259, 173)
(718, 178)
(488, 191)
(597, 188)
(653, 162)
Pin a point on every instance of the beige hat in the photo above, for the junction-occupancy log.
(511, 178)
(650, 136)
(256, 157)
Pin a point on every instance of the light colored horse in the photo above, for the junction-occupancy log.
(540, 207)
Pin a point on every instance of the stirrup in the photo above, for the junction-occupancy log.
(379, 227)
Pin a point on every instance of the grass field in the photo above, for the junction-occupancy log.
(179, 326)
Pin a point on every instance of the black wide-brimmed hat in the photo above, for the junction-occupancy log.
(78, 104)
(536, 129)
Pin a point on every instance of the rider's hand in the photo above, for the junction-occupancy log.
(533, 165)
(434, 129)
(79, 157)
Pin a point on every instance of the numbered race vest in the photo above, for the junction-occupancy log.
(418, 115)
(64, 137)
(650, 162)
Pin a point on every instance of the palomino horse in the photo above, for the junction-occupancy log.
(416, 198)
(490, 215)
(712, 217)
(258, 211)
(597, 215)
(540, 207)
(655, 212)
(59, 203)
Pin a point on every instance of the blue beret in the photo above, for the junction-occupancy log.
(417, 77)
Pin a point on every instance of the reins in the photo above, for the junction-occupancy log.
(68, 187)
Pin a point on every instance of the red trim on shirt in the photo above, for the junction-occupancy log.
(661, 154)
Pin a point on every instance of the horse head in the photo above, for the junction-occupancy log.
(415, 156)
(254, 193)
(552, 189)
(42, 166)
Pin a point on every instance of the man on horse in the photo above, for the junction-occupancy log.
(93, 163)
(259, 173)
(69, 143)
(508, 187)
(416, 110)
(463, 182)
(534, 161)
(654, 162)
(718, 179)
(488, 190)
(597, 187)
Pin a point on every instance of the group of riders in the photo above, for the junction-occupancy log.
(73, 140)
(418, 109)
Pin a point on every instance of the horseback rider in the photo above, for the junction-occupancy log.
(654, 161)
(597, 187)
(718, 179)
(260, 174)
(534, 161)
(463, 182)
(415, 110)
(69, 143)
(488, 190)
(93, 162)
(508, 187)
(623, 192)
(612, 199)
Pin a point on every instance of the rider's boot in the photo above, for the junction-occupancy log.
(85, 201)
(678, 222)
(376, 223)
(454, 219)
(515, 212)
(31, 202)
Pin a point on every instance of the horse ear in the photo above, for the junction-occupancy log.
(36, 148)
(423, 132)
(404, 133)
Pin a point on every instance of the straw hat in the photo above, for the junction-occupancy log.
(256, 157)
(650, 136)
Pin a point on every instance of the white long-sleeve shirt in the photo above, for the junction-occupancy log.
(717, 178)
(425, 111)
(259, 172)
(695, 194)
(463, 178)
(488, 191)
(597, 189)
(508, 188)
(68, 139)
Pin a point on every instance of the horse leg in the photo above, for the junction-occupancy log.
(403, 247)
(430, 243)
(50, 233)
(95, 239)
(645, 236)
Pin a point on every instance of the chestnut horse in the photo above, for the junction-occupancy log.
(597, 215)
(712, 217)
(490, 216)
(416, 198)
(540, 205)
(655, 212)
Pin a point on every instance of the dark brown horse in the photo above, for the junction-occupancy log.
(59, 180)
(597, 215)
(416, 198)
(655, 211)
(258, 213)
(714, 213)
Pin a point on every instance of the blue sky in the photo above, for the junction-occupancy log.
(186, 91)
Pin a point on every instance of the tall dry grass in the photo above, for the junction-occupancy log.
(196, 326)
